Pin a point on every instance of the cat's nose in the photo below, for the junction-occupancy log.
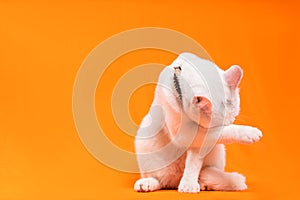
(229, 120)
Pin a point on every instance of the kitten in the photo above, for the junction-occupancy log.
(180, 142)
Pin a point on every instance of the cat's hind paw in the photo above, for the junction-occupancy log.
(188, 187)
(238, 182)
(146, 185)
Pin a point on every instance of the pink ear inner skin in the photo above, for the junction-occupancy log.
(202, 103)
(233, 76)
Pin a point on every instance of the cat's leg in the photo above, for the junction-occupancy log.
(212, 175)
(189, 181)
(216, 157)
(146, 185)
(239, 134)
(212, 178)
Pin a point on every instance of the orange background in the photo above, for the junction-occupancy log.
(43, 45)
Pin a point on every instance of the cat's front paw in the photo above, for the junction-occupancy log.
(249, 135)
(186, 186)
(146, 185)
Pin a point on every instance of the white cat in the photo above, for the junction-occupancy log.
(180, 142)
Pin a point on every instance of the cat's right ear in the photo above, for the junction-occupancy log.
(202, 103)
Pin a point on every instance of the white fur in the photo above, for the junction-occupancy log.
(168, 154)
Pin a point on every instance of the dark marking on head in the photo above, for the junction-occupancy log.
(177, 84)
(177, 68)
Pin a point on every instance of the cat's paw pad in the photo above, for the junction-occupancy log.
(250, 135)
(238, 181)
(188, 187)
(146, 185)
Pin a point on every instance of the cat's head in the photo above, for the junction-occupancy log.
(210, 96)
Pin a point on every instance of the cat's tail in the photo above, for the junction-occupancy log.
(212, 178)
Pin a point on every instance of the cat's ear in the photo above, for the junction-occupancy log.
(202, 103)
(233, 76)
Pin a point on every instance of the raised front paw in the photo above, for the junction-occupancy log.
(146, 185)
(186, 186)
(249, 135)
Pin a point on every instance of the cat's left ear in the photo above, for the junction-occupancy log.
(233, 76)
